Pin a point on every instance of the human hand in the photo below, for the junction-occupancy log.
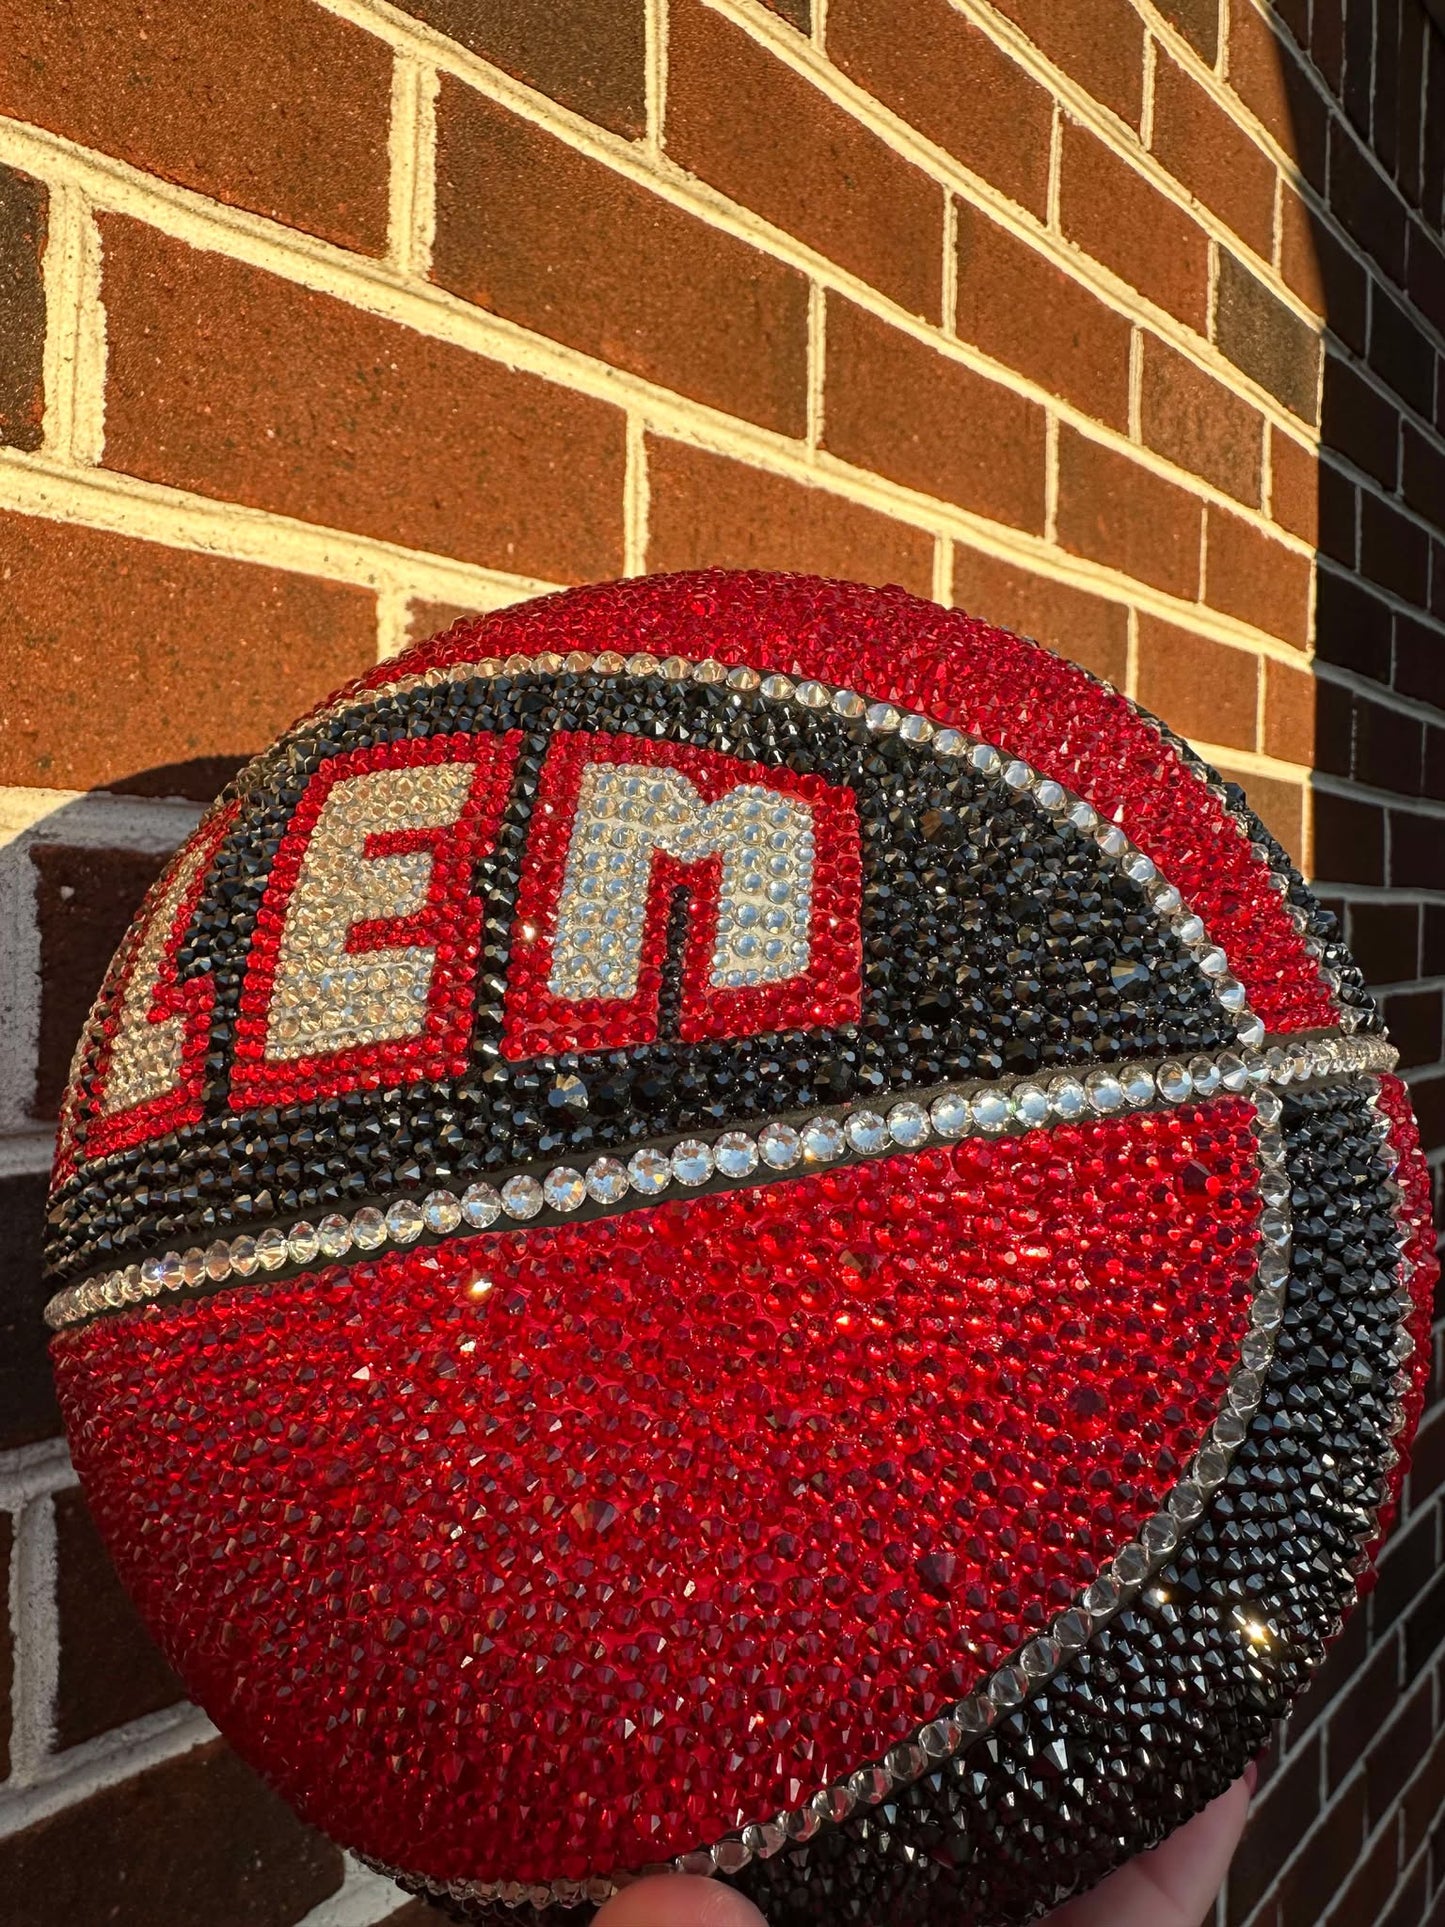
(1171, 1886)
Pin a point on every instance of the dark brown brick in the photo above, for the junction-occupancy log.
(949, 80)
(1397, 1752)
(1322, 271)
(1384, 123)
(1427, 1096)
(1432, 964)
(1273, 83)
(1194, 420)
(1400, 351)
(1426, 273)
(1359, 422)
(110, 1671)
(1210, 153)
(7, 1647)
(1339, 512)
(896, 406)
(1345, 1657)
(1349, 839)
(24, 209)
(28, 1411)
(1335, 709)
(1417, 851)
(752, 127)
(1118, 513)
(1204, 689)
(84, 901)
(1125, 222)
(1366, 204)
(1420, 1808)
(1419, 658)
(1327, 40)
(1427, 1451)
(1385, 941)
(705, 509)
(530, 229)
(1072, 345)
(1198, 21)
(1409, 105)
(1352, 627)
(1394, 550)
(1433, 782)
(1437, 578)
(198, 658)
(1432, 197)
(1250, 575)
(425, 618)
(1289, 712)
(1359, 62)
(317, 410)
(1279, 1818)
(1422, 478)
(1294, 489)
(591, 55)
(1084, 627)
(1368, 1886)
(1331, 1849)
(199, 1839)
(1101, 47)
(798, 13)
(276, 106)
(1414, 1021)
(1264, 338)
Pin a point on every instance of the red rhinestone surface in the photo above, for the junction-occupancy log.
(536, 1554)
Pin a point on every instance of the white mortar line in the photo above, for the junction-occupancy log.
(949, 278)
(411, 144)
(818, 17)
(655, 31)
(74, 358)
(1388, 800)
(362, 1899)
(29, 1472)
(25, 1154)
(393, 621)
(817, 365)
(102, 498)
(636, 503)
(81, 1771)
(943, 570)
(34, 1624)
(95, 819)
(1146, 110)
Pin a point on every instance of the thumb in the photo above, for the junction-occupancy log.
(678, 1900)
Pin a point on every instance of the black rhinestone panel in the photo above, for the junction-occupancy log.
(1170, 1699)
(993, 942)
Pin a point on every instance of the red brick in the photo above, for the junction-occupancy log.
(1359, 422)
(1294, 489)
(1397, 1752)
(1414, 1024)
(1385, 942)
(1394, 550)
(1321, 270)
(1327, 40)
(1198, 21)
(1352, 627)
(1194, 420)
(591, 55)
(1100, 46)
(276, 106)
(1126, 223)
(1289, 713)
(1417, 859)
(1118, 513)
(1032, 316)
(1210, 153)
(705, 509)
(84, 902)
(110, 1671)
(1359, 61)
(28, 1411)
(24, 209)
(1273, 83)
(192, 658)
(1384, 125)
(948, 79)
(1331, 1848)
(1368, 1886)
(1266, 339)
(1203, 689)
(530, 229)
(1339, 515)
(1249, 575)
(1423, 477)
(322, 412)
(895, 405)
(1415, 33)
(197, 1839)
(1070, 621)
(762, 134)
(426, 618)
(1401, 352)
(1426, 277)
(1278, 1820)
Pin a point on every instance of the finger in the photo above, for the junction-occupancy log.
(680, 1900)
(1174, 1883)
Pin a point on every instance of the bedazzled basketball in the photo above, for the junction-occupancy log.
(737, 1222)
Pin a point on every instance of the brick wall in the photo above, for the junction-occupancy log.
(1120, 322)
